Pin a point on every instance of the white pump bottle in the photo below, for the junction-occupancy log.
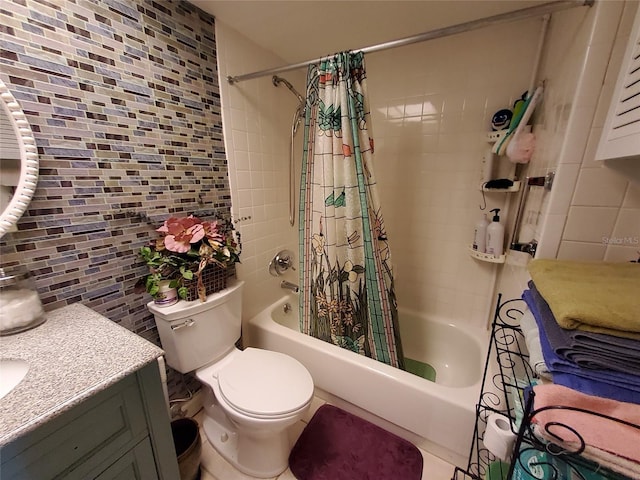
(480, 235)
(495, 235)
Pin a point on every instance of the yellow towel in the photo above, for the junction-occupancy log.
(594, 296)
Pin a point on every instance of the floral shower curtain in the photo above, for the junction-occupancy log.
(347, 296)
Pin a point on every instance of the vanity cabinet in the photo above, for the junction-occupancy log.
(121, 432)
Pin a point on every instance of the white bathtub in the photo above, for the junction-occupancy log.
(439, 416)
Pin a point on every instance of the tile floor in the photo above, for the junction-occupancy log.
(214, 467)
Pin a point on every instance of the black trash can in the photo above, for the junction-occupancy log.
(186, 439)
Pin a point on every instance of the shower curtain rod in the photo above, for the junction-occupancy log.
(514, 15)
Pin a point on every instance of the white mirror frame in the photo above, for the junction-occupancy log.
(28, 179)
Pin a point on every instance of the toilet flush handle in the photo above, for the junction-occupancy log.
(187, 323)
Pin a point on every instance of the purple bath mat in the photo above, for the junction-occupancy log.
(336, 445)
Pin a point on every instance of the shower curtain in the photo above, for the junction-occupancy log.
(347, 296)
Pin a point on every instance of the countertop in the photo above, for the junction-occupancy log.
(73, 355)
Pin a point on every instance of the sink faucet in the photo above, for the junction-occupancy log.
(289, 286)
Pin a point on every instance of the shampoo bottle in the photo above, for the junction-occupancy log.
(495, 235)
(480, 235)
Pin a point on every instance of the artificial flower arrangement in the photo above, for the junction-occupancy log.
(188, 245)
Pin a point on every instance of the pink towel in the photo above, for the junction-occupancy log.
(600, 433)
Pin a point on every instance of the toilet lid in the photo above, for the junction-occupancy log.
(262, 382)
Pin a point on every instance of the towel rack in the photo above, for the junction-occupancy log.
(546, 182)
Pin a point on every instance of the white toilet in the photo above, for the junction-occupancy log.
(252, 396)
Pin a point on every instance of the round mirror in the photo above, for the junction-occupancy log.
(18, 161)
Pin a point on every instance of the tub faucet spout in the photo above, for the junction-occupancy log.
(289, 286)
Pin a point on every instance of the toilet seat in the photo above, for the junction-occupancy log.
(265, 384)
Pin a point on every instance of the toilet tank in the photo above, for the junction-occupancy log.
(195, 334)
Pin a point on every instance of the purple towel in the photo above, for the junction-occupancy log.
(589, 350)
(601, 383)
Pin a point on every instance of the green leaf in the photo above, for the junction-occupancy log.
(182, 292)
(187, 274)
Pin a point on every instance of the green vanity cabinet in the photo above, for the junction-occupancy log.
(121, 432)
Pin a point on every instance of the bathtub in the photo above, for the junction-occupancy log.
(439, 417)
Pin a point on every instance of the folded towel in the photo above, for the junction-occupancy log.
(603, 383)
(597, 355)
(611, 353)
(598, 297)
(532, 339)
(535, 464)
(598, 388)
(607, 439)
(603, 361)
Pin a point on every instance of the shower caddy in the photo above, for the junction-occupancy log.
(503, 392)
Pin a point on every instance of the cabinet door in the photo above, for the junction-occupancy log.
(71, 446)
(136, 464)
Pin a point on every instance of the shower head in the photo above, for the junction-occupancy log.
(278, 80)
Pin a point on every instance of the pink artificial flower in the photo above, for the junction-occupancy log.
(181, 233)
(174, 246)
(212, 231)
(165, 227)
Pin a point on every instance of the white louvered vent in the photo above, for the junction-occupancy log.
(621, 133)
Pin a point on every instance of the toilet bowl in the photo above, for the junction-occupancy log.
(262, 394)
(252, 396)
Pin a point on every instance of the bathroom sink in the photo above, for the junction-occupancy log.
(12, 371)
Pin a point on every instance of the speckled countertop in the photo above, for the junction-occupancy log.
(72, 356)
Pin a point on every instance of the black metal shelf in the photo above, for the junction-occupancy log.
(507, 392)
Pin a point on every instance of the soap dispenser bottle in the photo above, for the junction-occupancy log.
(480, 235)
(495, 235)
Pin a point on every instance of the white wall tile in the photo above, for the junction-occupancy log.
(566, 176)
(599, 187)
(428, 171)
(582, 251)
(257, 119)
(622, 253)
(627, 227)
(632, 197)
(550, 235)
(590, 224)
(588, 161)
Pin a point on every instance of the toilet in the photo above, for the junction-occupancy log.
(252, 396)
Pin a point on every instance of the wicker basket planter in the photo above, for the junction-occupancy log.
(214, 279)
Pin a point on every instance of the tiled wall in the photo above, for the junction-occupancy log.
(431, 109)
(603, 218)
(257, 118)
(589, 201)
(432, 105)
(123, 100)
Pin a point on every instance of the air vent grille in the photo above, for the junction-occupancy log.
(621, 133)
(627, 113)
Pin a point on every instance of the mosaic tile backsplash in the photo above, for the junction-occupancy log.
(124, 102)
